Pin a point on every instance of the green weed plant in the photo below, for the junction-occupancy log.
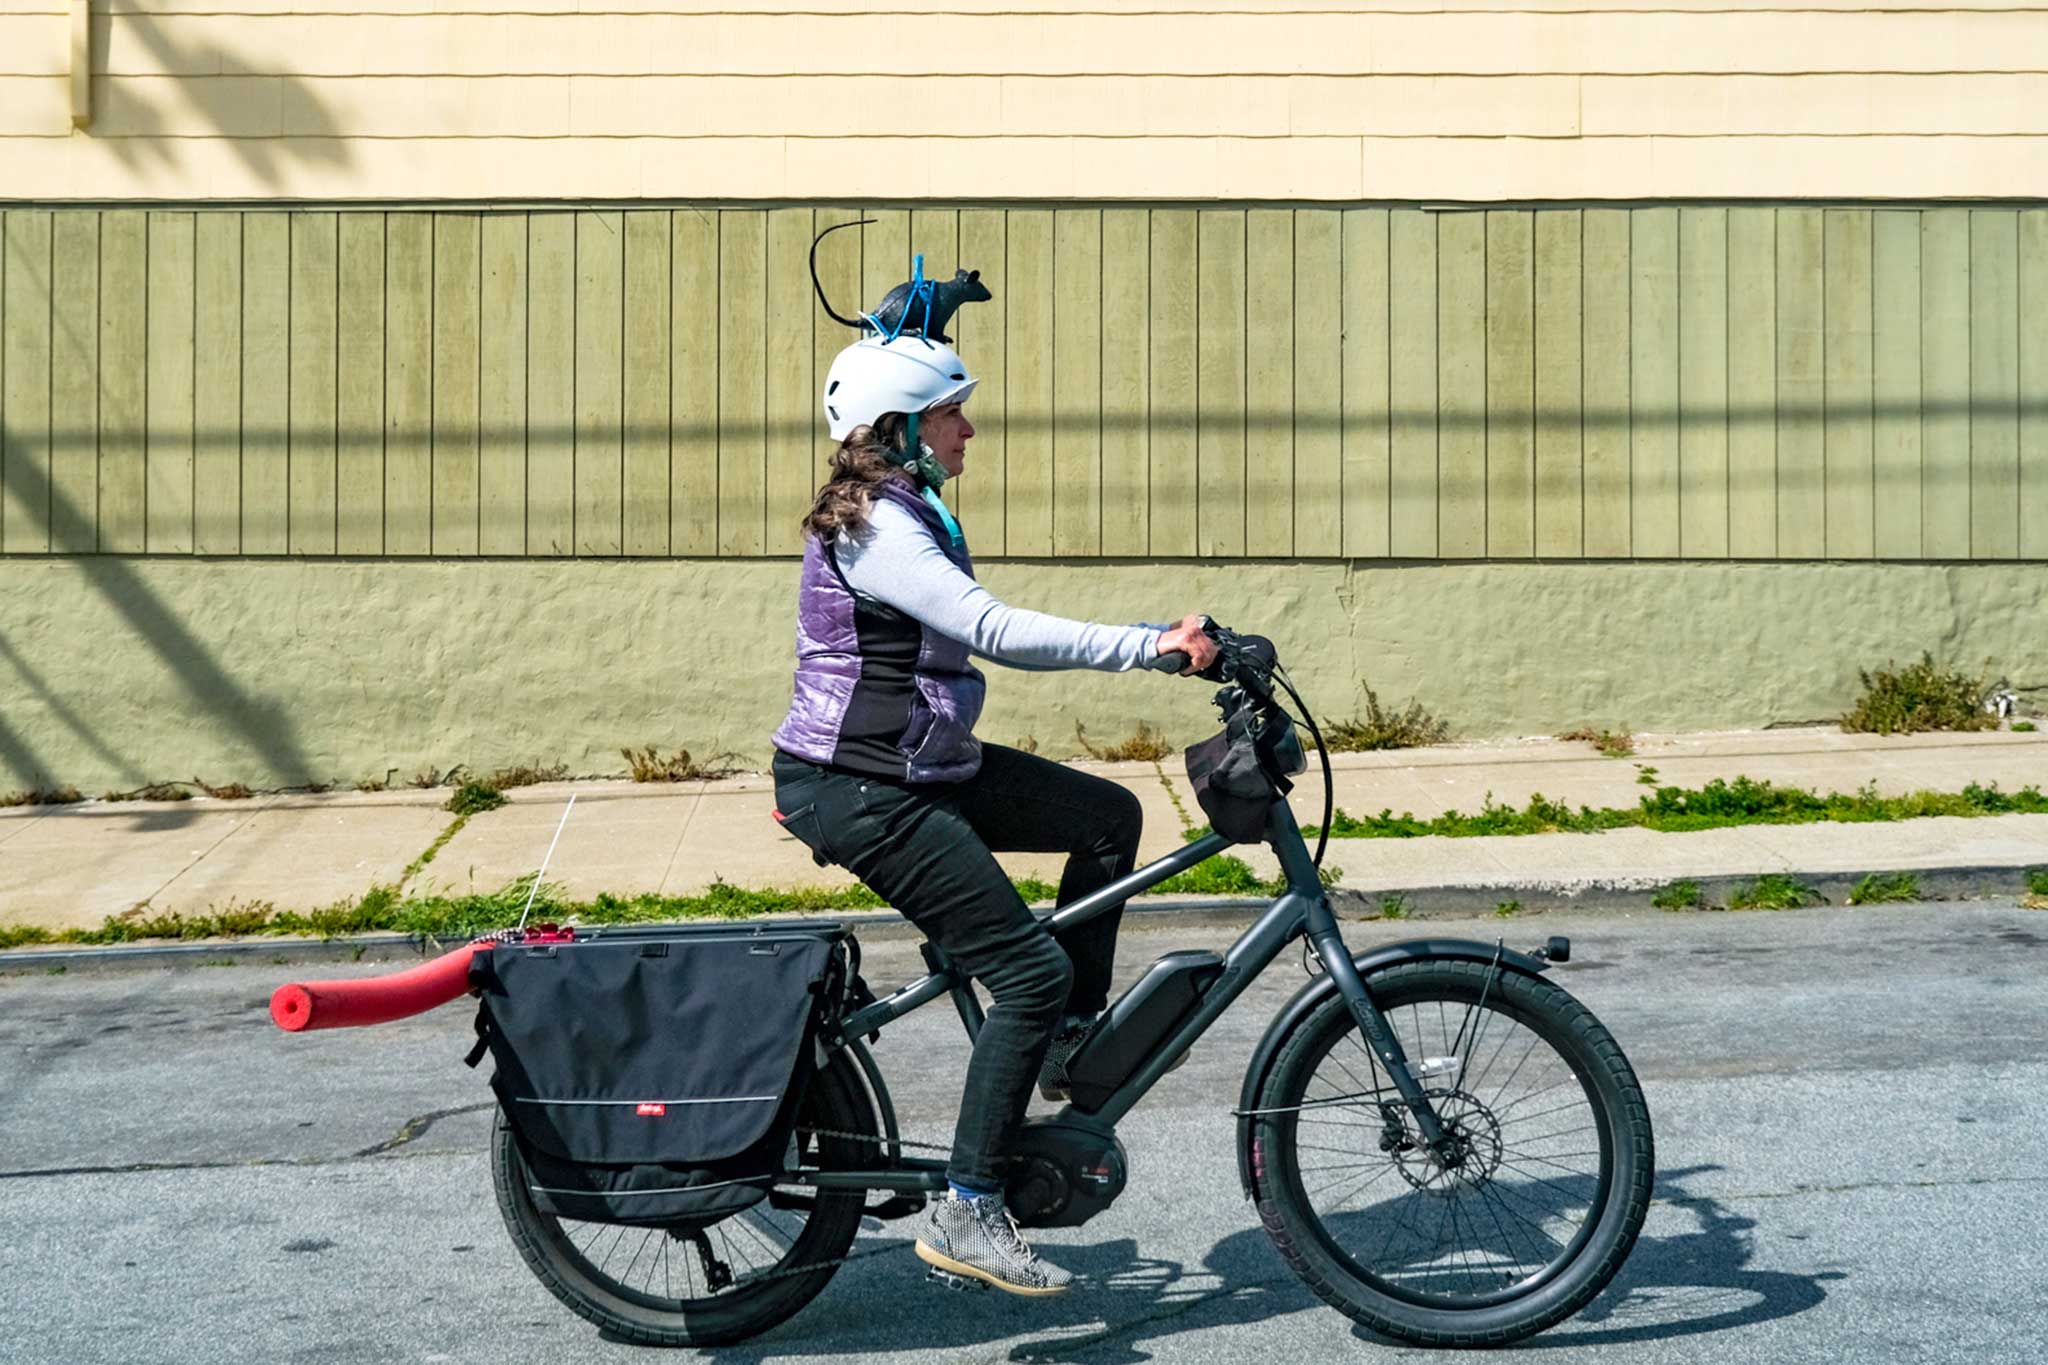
(1774, 891)
(1920, 697)
(1877, 888)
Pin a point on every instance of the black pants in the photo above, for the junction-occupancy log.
(928, 850)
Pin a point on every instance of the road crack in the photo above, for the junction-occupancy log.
(392, 1147)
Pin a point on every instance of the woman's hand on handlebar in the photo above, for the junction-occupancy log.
(1190, 638)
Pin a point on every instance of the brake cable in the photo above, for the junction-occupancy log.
(1323, 753)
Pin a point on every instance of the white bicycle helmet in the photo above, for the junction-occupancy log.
(875, 376)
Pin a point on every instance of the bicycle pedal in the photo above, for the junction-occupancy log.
(963, 1284)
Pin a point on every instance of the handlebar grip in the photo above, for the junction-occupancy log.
(300, 1006)
(1171, 662)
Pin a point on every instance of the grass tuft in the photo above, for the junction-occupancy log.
(1146, 744)
(527, 775)
(1774, 891)
(1718, 805)
(1679, 895)
(647, 765)
(233, 791)
(42, 796)
(155, 791)
(2037, 881)
(1920, 697)
(474, 798)
(2024, 727)
(1507, 909)
(1613, 743)
(1394, 906)
(1379, 728)
(1876, 888)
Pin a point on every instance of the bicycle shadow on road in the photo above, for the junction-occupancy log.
(1677, 1282)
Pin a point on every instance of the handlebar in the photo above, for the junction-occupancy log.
(300, 1006)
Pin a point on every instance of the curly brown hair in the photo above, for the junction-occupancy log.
(858, 468)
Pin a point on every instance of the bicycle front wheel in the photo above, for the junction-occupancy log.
(1521, 1224)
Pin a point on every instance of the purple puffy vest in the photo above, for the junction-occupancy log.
(937, 697)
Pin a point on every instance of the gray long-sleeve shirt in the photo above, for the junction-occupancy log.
(897, 562)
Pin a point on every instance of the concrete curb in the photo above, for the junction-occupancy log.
(1592, 896)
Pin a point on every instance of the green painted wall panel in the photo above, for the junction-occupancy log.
(359, 384)
(1752, 383)
(980, 502)
(1172, 386)
(169, 384)
(1945, 383)
(1559, 387)
(75, 380)
(124, 362)
(1366, 509)
(1653, 384)
(1461, 385)
(266, 374)
(1220, 383)
(502, 387)
(1126, 304)
(1318, 383)
(2033, 377)
(1077, 383)
(409, 382)
(1848, 382)
(1604, 316)
(1895, 384)
(1412, 382)
(25, 352)
(314, 280)
(1994, 385)
(1748, 381)
(1802, 450)
(1703, 383)
(599, 446)
(790, 399)
(1269, 386)
(693, 380)
(1028, 355)
(1510, 385)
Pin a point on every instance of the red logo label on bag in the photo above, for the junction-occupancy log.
(651, 1111)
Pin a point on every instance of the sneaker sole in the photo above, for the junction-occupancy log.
(947, 1263)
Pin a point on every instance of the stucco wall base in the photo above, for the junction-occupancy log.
(118, 671)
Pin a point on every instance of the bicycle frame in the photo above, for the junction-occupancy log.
(1303, 908)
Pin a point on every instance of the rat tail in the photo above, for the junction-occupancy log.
(819, 285)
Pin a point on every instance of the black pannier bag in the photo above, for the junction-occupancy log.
(652, 1076)
(1232, 786)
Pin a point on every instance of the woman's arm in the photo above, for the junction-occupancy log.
(897, 562)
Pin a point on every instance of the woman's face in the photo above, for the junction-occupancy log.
(946, 430)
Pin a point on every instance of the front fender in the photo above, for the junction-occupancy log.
(1321, 988)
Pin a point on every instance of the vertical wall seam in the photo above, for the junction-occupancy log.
(147, 265)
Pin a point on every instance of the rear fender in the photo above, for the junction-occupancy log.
(1321, 988)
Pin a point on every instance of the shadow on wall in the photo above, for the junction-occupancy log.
(263, 724)
(315, 138)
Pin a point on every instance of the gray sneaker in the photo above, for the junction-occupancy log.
(977, 1238)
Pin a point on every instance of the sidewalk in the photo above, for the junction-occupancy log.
(63, 866)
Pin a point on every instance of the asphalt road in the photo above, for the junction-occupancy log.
(1852, 1131)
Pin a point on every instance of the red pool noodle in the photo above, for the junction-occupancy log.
(372, 1000)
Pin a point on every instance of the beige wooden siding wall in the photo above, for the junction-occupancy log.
(1699, 382)
(1334, 100)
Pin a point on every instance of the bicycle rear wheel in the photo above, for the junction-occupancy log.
(1541, 1200)
(703, 1284)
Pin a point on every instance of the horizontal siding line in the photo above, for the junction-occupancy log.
(1850, 8)
(1047, 137)
(394, 73)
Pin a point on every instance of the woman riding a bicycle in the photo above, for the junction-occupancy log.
(877, 767)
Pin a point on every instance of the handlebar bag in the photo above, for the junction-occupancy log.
(1232, 786)
(652, 1077)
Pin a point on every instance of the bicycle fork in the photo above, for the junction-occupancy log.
(1386, 1048)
